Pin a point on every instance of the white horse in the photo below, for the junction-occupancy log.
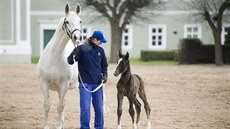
(53, 70)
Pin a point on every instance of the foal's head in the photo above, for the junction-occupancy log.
(122, 64)
(72, 24)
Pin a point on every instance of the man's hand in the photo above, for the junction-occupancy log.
(75, 50)
(104, 78)
(70, 59)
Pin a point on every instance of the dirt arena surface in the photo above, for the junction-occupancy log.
(181, 97)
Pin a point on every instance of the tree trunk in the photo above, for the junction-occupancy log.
(115, 42)
(218, 50)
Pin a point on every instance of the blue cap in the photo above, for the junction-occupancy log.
(99, 36)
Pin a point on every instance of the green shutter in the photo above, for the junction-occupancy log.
(48, 34)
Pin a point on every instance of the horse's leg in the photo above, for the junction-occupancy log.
(138, 110)
(45, 91)
(131, 110)
(61, 104)
(119, 109)
(146, 105)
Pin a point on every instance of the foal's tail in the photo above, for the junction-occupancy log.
(142, 95)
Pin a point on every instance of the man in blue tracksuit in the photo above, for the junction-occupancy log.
(92, 67)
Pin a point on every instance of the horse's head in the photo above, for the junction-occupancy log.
(122, 64)
(72, 24)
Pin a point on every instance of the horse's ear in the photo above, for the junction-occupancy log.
(66, 9)
(78, 9)
(127, 55)
(120, 55)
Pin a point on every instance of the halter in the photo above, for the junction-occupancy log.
(68, 32)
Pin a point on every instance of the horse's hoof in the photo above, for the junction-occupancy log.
(118, 126)
(148, 125)
(59, 127)
(134, 126)
(138, 125)
(46, 127)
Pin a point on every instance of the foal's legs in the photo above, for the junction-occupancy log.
(146, 105)
(131, 110)
(119, 109)
(138, 110)
(61, 104)
(45, 91)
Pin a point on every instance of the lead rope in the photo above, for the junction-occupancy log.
(98, 87)
(64, 27)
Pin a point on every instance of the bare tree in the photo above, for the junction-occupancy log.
(212, 11)
(119, 13)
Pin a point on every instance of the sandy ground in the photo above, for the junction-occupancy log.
(181, 97)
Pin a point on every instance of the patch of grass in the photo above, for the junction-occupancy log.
(138, 61)
(34, 60)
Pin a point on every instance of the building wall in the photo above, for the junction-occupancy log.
(15, 44)
(44, 17)
(22, 32)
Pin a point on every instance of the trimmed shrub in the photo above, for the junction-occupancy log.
(192, 51)
(226, 54)
(189, 51)
(208, 54)
(147, 55)
(227, 41)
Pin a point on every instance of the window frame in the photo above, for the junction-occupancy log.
(199, 31)
(87, 34)
(223, 33)
(157, 34)
(130, 37)
(161, 1)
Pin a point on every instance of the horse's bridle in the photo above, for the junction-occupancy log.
(68, 32)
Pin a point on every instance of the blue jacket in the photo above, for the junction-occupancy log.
(92, 62)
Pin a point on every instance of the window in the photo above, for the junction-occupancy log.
(47, 34)
(160, 1)
(192, 31)
(224, 33)
(85, 32)
(127, 37)
(190, 0)
(157, 37)
(47, 30)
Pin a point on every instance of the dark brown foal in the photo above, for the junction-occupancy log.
(129, 85)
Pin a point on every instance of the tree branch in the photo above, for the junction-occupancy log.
(221, 10)
(100, 7)
(126, 19)
(209, 20)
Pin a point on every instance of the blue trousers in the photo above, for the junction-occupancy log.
(85, 104)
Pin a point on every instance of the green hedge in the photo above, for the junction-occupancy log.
(226, 54)
(208, 54)
(227, 41)
(147, 55)
(191, 51)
